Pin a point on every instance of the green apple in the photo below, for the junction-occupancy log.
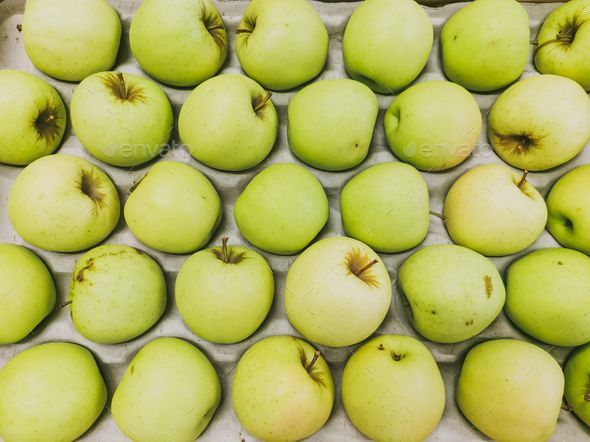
(71, 39)
(180, 43)
(540, 123)
(337, 292)
(386, 207)
(387, 43)
(281, 43)
(564, 42)
(122, 119)
(331, 123)
(34, 118)
(577, 373)
(433, 125)
(63, 203)
(50, 392)
(452, 292)
(282, 389)
(223, 294)
(27, 292)
(392, 389)
(117, 293)
(169, 393)
(548, 296)
(568, 204)
(282, 209)
(495, 211)
(485, 45)
(229, 123)
(174, 208)
(511, 390)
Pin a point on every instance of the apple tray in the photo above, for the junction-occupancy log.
(113, 359)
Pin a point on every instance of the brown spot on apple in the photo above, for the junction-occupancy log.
(487, 281)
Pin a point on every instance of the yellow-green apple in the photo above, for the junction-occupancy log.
(540, 123)
(387, 43)
(331, 123)
(495, 211)
(511, 390)
(122, 119)
(282, 389)
(34, 118)
(577, 387)
(59, 384)
(63, 203)
(564, 41)
(229, 123)
(116, 293)
(180, 43)
(452, 292)
(568, 204)
(282, 209)
(174, 208)
(392, 389)
(71, 39)
(433, 125)
(386, 207)
(281, 43)
(27, 292)
(169, 393)
(223, 294)
(337, 292)
(485, 44)
(548, 296)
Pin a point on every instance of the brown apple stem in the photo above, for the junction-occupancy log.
(262, 102)
(548, 42)
(122, 85)
(224, 248)
(438, 215)
(363, 269)
(522, 180)
(316, 355)
(65, 304)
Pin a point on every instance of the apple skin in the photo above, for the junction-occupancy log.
(282, 209)
(487, 211)
(564, 41)
(169, 393)
(71, 39)
(387, 43)
(343, 308)
(174, 208)
(568, 204)
(120, 118)
(63, 203)
(281, 43)
(117, 293)
(223, 294)
(453, 293)
(540, 123)
(60, 384)
(331, 123)
(275, 397)
(548, 296)
(27, 292)
(180, 43)
(452, 120)
(392, 389)
(229, 123)
(511, 390)
(485, 45)
(577, 373)
(25, 98)
(386, 207)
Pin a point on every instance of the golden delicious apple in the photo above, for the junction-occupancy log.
(577, 376)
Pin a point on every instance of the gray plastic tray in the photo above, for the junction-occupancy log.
(225, 426)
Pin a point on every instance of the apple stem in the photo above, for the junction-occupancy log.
(65, 304)
(522, 180)
(438, 215)
(316, 355)
(363, 269)
(123, 87)
(262, 102)
(224, 248)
